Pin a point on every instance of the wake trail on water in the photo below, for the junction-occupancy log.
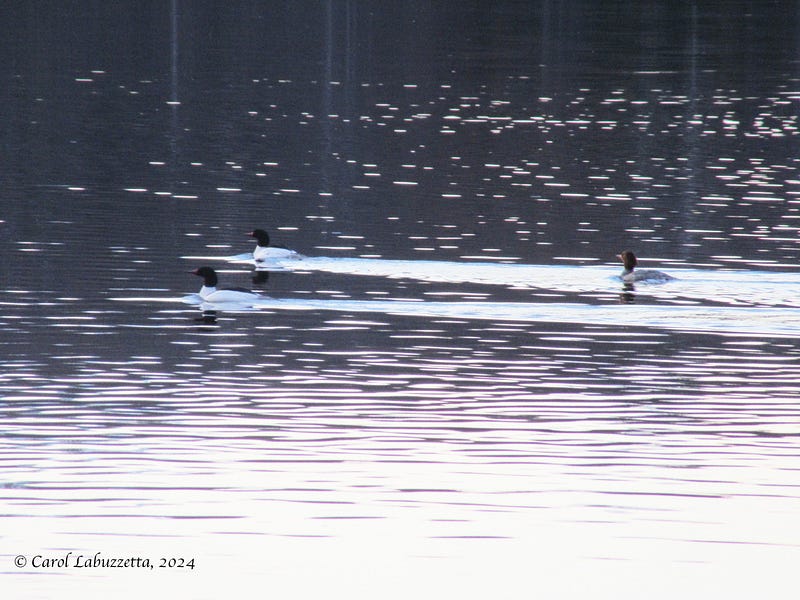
(687, 286)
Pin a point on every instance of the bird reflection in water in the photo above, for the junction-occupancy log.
(260, 277)
(627, 295)
(207, 317)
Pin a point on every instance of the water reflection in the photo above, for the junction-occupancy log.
(627, 296)
(451, 382)
(208, 316)
(260, 277)
(703, 286)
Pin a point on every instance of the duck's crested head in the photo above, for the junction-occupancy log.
(628, 259)
(208, 274)
(261, 236)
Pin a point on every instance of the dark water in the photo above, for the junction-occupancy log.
(450, 393)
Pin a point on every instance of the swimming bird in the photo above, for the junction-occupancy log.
(210, 293)
(628, 274)
(264, 252)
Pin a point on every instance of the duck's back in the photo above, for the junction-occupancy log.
(646, 276)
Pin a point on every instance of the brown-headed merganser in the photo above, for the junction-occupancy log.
(629, 275)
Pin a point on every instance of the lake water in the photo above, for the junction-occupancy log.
(448, 392)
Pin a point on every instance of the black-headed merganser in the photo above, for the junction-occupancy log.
(210, 293)
(263, 252)
(629, 275)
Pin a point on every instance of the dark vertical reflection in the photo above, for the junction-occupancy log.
(327, 162)
(174, 51)
(693, 154)
(340, 90)
(174, 102)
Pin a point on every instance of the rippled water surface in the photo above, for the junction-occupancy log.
(448, 391)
